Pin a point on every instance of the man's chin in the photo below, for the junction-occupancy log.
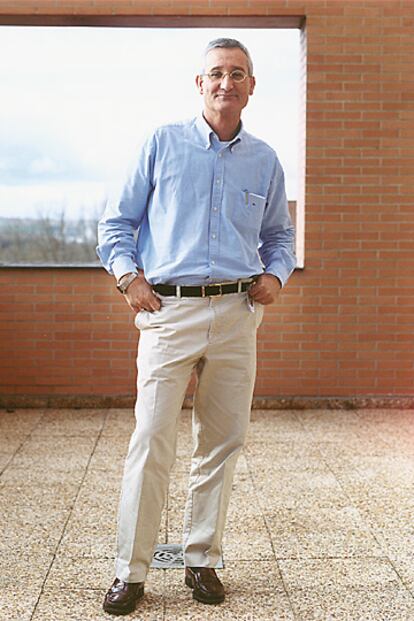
(227, 103)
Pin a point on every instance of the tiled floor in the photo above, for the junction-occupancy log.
(320, 527)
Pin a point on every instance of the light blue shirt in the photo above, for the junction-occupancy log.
(196, 210)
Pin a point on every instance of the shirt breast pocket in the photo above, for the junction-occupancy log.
(249, 211)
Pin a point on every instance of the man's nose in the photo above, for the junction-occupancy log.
(226, 82)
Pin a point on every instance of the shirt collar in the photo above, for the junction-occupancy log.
(206, 132)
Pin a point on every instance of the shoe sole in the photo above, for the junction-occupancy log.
(200, 596)
(113, 609)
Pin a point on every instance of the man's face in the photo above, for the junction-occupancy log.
(226, 95)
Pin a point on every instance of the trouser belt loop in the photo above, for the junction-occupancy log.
(178, 291)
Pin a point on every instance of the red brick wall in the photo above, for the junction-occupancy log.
(344, 325)
(65, 331)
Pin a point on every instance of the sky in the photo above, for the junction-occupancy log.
(76, 102)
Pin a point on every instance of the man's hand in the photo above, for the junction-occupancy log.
(265, 290)
(140, 295)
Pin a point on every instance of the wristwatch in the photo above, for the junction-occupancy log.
(125, 280)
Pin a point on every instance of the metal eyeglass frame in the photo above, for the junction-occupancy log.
(223, 75)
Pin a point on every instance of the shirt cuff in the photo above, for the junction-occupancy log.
(123, 265)
(281, 279)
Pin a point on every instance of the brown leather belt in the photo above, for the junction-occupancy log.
(204, 291)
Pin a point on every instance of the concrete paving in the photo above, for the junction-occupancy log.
(320, 525)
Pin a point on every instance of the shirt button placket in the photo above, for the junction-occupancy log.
(216, 199)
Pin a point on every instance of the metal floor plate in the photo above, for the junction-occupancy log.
(170, 556)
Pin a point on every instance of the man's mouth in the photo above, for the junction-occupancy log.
(226, 95)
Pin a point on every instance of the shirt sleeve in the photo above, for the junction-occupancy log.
(277, 234)
(118, 227)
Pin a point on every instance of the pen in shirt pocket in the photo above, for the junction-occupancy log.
(253, 200)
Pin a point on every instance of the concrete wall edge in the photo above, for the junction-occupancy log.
(351, 402)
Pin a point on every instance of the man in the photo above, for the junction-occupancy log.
(214, 245)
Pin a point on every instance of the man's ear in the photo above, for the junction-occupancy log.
(252, 85)
(199, 82)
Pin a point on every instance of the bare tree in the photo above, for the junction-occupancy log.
(49, 238)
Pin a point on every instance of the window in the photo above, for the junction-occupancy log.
(75, 103)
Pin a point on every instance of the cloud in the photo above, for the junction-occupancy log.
(44, 165)
(29, 155)
(76, 100)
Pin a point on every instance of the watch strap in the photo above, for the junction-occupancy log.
(124, 282)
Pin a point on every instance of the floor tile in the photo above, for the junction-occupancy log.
(10, 442)
(50, 459)
(86, 605)
(318, 519)
(20, 421)
(69, 423)
(251, 545)
(99, 489)
(18, 603)
(325, 574)
(5, 459)
(404, 566)
(23, 571)
(39, 475)
(253, 591)
(119, 424)
(31, 529)
(117, 450)
(71, 574)
(341, 543)
(89, 541)
(354, 589)
(396, 542)
(353, 605)
(325, 532)
(389, 511)
(107, 483)
(312, 488)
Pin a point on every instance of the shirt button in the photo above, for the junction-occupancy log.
(218, 181)
(213, 262)
(220, 155)
(214, 208)
(213, 236)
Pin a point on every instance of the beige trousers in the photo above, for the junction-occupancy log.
(217, 337)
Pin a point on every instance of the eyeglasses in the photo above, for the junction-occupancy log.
(237, 75)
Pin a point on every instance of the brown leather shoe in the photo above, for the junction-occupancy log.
(122, 597)
(206, 586)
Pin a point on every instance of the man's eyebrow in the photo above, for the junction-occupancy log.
(221, 67)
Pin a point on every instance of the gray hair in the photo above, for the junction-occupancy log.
(230, 43)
